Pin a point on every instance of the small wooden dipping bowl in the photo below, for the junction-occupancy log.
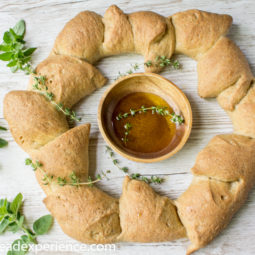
(149, 83)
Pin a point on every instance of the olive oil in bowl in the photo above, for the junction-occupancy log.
(144, 117)
(140, 127)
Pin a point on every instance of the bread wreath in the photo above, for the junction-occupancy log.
(224, 170)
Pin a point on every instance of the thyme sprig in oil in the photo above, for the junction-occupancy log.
(161, 110)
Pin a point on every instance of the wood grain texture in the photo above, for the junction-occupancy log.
(44, 20)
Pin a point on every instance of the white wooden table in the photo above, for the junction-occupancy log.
(44, 20)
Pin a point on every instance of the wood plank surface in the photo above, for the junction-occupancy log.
(44, 20)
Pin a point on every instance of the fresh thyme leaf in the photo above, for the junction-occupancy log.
(28, 161)
(136, 176)
(153, 179)
(161, 110)
(177, 119)
(72, 180)
(161, 61)
(3, 143)
(127, 127)
(148, 63)
(90, 181)
(125, 169)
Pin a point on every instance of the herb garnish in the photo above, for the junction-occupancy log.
(19, 58)
(73, 180)
(127, 127)
(3, 142)
(11, 219)
(161, 61)
(137, 176)
(161, 110)
(114, 160)
(152, 179)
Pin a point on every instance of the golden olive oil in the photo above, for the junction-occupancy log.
(149, 132)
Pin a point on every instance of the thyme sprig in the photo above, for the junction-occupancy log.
(152, 179)
(160, 61)
(163, 61)
(161, 110)
(127, 127)
(40, 85)
(3, 142)
(115, 161)
(19, 58)
(72, 180)
(136, 176)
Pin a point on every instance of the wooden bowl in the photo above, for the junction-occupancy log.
(150, 83)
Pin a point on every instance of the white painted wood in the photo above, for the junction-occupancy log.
(44, 20)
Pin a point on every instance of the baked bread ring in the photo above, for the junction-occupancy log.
(224, 171)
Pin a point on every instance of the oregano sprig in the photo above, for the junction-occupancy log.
(11, 219)
(19, 58)
(15, 51)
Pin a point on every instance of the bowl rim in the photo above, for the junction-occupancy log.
(133, 157)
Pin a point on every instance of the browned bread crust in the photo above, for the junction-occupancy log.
(223, 176)
(150, 217)
(69, 79)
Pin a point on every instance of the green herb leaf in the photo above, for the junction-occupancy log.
(12, 63)
(5, 47)
(19, 247)
(20, 28)
(3, 225)
(3, 128)
(29, 51)
(13, 227)
(16, 204)
(7, 56)
(14, 69)
(7, 37)
(3, 143)
(28, 161)
(43, 224)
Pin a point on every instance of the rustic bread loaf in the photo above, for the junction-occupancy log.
(33, 121)
(223, 176)
(69, 79)
(150, 217)
(197, 31)
(224, 171)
